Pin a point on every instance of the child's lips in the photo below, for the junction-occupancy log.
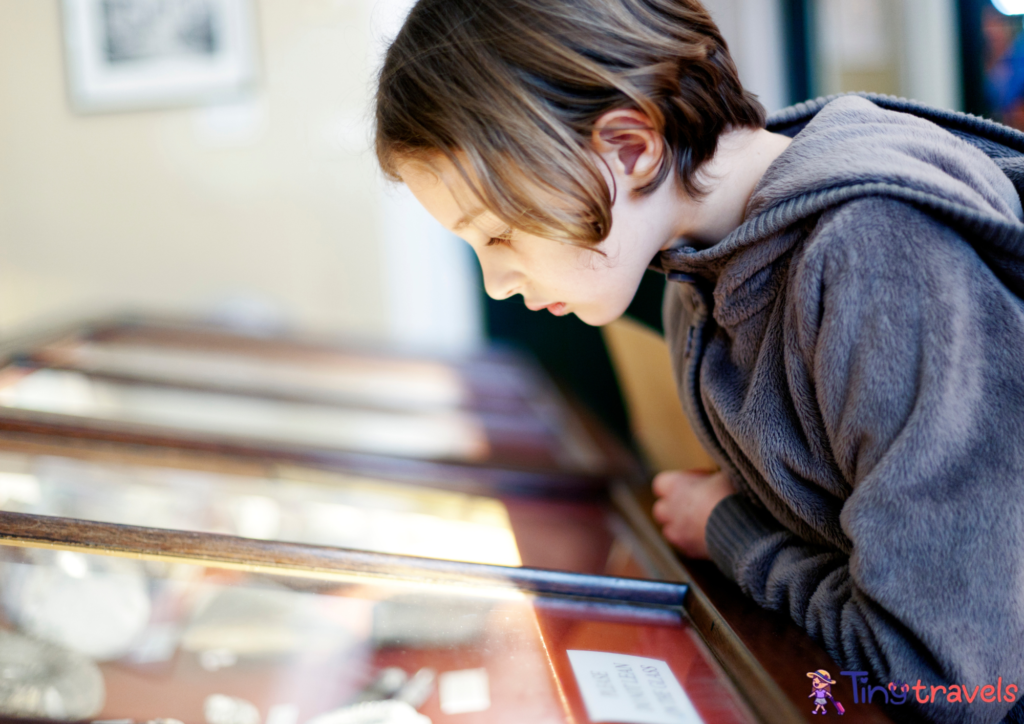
(556, 308)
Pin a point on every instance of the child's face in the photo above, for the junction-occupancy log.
(560, 277)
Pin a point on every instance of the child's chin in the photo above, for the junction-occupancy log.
(597, 318)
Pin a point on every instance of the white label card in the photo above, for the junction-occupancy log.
(462, 692)
(630, 689)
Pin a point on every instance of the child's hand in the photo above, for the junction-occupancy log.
(686, 501)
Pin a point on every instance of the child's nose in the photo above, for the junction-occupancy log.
(500, 283)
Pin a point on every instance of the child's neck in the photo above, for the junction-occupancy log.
(740, 161)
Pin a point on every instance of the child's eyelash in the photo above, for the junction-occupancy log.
(502, 239)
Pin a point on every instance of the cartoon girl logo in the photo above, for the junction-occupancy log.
(821, 692)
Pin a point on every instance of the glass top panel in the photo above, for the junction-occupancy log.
(356, 379)
(85, 636)
(436, 435)
(516, 403)
(297, 506)
(321, 508)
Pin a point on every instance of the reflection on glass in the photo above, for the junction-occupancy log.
(224, 647)
(348, 513)
(449, 434)
(376, 381)
(518, 403)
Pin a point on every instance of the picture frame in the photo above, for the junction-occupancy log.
(139, 54)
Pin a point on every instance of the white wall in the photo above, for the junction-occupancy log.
(269, 209)
(907, 48)
(754, 31)
(432, 284)
(931, 59)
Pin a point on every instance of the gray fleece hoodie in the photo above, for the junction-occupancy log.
(853, 354)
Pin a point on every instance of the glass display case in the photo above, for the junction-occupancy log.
(108, 622)
(190, 385)
(160, 562)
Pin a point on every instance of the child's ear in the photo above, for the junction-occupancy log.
(626, 139)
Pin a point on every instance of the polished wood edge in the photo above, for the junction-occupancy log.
(612, 611)
(760, 692)
(39, 531)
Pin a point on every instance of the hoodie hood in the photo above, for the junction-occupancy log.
(964, 170)
(851, 141)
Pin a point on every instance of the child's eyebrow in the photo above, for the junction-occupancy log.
(467, 219)
(473, 215)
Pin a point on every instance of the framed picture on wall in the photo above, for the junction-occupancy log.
(136, 54)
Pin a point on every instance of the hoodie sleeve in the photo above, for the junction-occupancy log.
(915, 353)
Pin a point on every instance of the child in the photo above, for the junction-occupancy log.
(846, 319)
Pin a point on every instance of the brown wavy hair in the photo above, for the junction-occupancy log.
(509, 91)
